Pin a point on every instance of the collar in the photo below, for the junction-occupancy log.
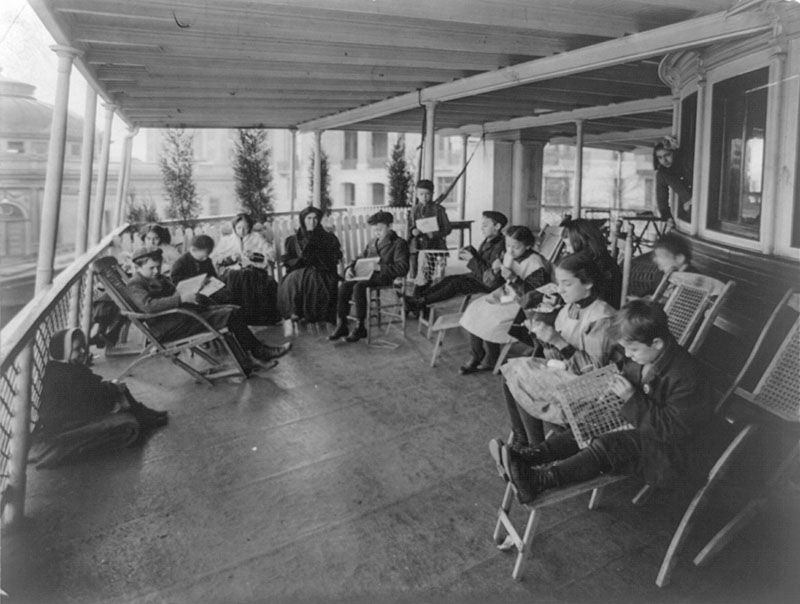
(574, 309)
(490, 241)
(661, 363)
(388, 238)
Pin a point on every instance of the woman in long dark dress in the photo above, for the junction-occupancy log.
(243, 259)
(311, 258)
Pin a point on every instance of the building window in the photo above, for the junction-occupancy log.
(738, 126)
(213, 206)
(15, 147)
(442, 184)
(378, 193)
(350, 150)
(39, 148)
(686, 143)
(556, 191)
(380, 148)
(349, 193)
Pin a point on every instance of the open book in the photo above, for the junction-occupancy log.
(200, 284)
(364, 267)
(428, 225)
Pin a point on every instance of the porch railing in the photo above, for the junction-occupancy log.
(23, 356)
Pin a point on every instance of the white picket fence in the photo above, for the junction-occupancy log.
(348, 224)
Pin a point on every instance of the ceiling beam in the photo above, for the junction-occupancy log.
(679, 36)
(645, 134)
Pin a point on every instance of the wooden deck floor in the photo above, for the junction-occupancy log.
(347, 474)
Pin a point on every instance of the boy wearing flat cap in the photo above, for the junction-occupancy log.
(392, 251)
(426, 207)
(153, 293)
(484, 265)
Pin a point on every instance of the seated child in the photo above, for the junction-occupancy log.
(154, 293)
(666, 402)
(393, 253)
(80, 413)
(488, 318)
(580, 337)
(483, 277)
(197, 261)
(671, 253)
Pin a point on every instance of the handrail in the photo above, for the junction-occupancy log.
(20, 329)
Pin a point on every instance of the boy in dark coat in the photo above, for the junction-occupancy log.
(483, 263)
(393, 253)
(79, 412)
(666, 401)
(426, 207)
(153, 293)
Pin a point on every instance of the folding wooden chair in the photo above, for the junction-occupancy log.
(381, 312)
(551, 242)
(775, 390)
(113, 278)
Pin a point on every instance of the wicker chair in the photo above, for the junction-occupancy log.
(113, 278)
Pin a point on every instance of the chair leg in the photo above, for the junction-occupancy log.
(431, 321)
(729, 531)
(527, 538)
(505, 508)
(643, 495)
(437, 346)
(597, 496)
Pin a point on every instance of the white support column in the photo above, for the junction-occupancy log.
(96, 230)
(517, 183)
(124, 168)
(128, 166)
(51, 202)
(316, 197)
(293, 170)
(576, 209)
(429, 150)
(772, 152)
(699, 129)
(462, 186)
(84, 205)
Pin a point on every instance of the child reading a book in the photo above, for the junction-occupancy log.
(391, 254)
(153, 293)
(80, 413)
(666, 402)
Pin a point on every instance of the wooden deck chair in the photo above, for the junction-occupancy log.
(551, 242)
(776, 390)
(113, 278)
(382, 312)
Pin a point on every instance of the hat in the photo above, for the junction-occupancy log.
(61, 344)
(498, 217)
(147, 252)
(381, 218)
(425, 184)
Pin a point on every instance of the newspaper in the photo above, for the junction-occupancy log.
(428, 225)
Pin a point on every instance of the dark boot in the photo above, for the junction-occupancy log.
(582, 466)
(534, 456)
(529, 481)
(341, 331)
(519, 439)
(358, 333)
(148, 418)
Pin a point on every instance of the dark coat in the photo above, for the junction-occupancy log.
(159, 294)
(432, 241)
(480, 265)
(187, 267)
(71, 396)
(319, 249)
(679, 179)
(669, 409)
(611, 287)
(393, 253)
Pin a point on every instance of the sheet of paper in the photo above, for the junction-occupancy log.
(212, 286)
(364, 267)
(428, 225)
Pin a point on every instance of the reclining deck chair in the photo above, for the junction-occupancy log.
(694, 303)
(113, 278)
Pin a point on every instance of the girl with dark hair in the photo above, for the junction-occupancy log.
(243, 259)
(311, 258)
(672, 173)
(489, 318)
(583, 236)
(580, 338)
(156, 236)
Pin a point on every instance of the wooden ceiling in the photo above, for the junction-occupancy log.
(284, 63)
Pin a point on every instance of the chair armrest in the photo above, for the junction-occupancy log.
(141, 316)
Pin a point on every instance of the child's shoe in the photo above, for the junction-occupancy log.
(359, 333)
(341, 332)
